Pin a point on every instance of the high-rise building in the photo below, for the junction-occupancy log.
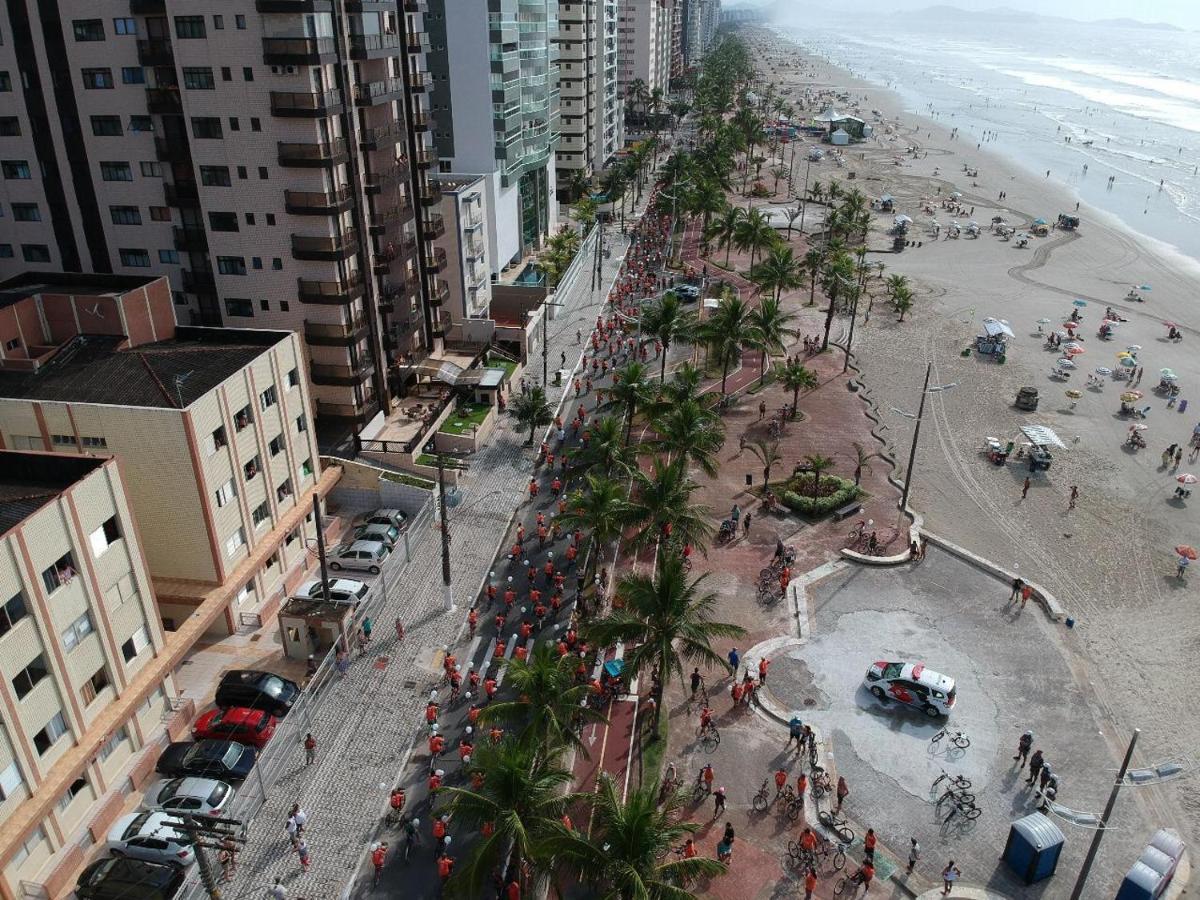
(495, 98)
(678, 14)
(700, 21)
(644, 32)
(268, 158)
(464, 251)
(589, 92)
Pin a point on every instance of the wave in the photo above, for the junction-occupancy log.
(1159, 84)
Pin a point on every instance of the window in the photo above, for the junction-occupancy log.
(12, 612)
(234, 125)
(226, 493)
(260, 514)
(125, 26)
(268, 398)
(35, 253)
(139, 124)
(231, 265)
(133, 75)
(6, 251)
(76, 787)
(306, 468)
(189, 27)
(120, 736)
(206, 127)
(26, 212)
(226, 73)
(216, 440)
(116, 171)
(198, 78)
(241, 170)
(106, 126)
(168, 257)
(223, 221)
(292, 537)
(214, 176)
(245, 593)
(252, 468)
(284, 490)
(151, 170)
(5, 82)
(23, 682)
(235, 542)
(94, 685)
(63, 440)
(241, 307)
(138, 642)
(36, 838)
(97, 79)
(276, 445)
(135, 258)
(240, 22)
(55, 576)
(248, 75)
(293, 378)
(218, 22)
(88, 29)
(160, 214)
(10, 126)
(256, 262)
(125, 215)
(263, 174)
(301, 423)
(243, 418)
(104, 536)
(15, 169)
(51, 732)
(14, 344)
(76, 632)
(249, 218)
(270, 218)
(97, 443)
(10, 781)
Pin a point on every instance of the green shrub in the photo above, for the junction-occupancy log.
(833, 493)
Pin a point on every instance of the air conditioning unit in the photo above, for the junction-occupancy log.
(290, 70)
(276, 70)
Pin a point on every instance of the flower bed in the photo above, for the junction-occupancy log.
(832, 493)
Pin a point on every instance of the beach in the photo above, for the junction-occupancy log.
(1109, 561)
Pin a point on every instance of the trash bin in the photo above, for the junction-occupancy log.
(1034, 846)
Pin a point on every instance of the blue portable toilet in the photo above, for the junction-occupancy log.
(1152, 873)
(1034, 846)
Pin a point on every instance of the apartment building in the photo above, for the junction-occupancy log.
(678, 14)
(212, 428)
(644, 34)
(269, 159)
(464, 247)
(701, 20)
(590, 100)
(495, 98)
(86, 677)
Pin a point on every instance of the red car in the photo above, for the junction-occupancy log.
(252, 727)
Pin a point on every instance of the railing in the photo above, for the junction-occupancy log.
(316, 202)
(323, 153)
(313, 291)
(155, 52)
(374, 91)
(296, 49)
(363, 44)
(336, 332)
(304, 103)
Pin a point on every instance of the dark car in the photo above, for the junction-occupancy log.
(121, 879)
(257, 690)
(226, 760)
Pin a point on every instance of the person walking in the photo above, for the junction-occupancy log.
(300, 817)
(277, 891)
(302, 852)
(762, 410)
(378, 858)
(1075, 487)
(950, 874)
(1026, 593)
(719, 802)
(795, 733)
(746, 523)
(1017, 584)
(869, 842)
(843, 791)
(734, 659)
(1025, 488)
(1035, 766)
(1024, 745)
(914, 854)
(763, 665)
(310, 749)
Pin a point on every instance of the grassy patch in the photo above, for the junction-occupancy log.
(499, 362)
(428, 459)
(654, 750)
(410, 480)
(466, 418)
(758, 386)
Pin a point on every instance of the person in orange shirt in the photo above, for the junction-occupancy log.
(520, 652)
(808, 841)
(439, 829)
(437, 744)
(869, 842)
(780, 780)
(689, 849)
(473, 713)
(445, 866)
(435, 781)
(810, 884)
(801, 785)
(472, 620)
(735, 692)
(763, 665)
(487, 829)
(513, 889)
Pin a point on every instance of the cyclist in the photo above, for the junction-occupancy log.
(378, 858)
(706, 778)
(801, 785)
(396, 802)
(781, 779)
(411, 835)
(808, 842)
(705, 719)
(863, 875)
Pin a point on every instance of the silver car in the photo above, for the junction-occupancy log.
(385, 534)
(387, 516)
(149, 836)
(201, 796)
(367, 556)
(341, 590)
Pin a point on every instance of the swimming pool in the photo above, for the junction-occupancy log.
(530, 275)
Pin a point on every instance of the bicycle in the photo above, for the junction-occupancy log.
(762, 800)
(795, 805)
(827, 849)
(837, 825)
(958, 739)
(768, 594)
(956, 781)
(700, 790)
(966, 809)
(958, 795)
(821, 785)
(847, 881)
(857, 533)
(709, 738)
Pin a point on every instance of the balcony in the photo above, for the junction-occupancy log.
(325, 248)
(372, 138)
(417, 82)
(198, 282)
(297, 51)
(155, 52)
(172, 150)
(313, 156)
(292, 6)
(425, 158)
(435, 226)
(419, 120)
(373, 46)
(435, 261)
(330, 293)
(318, 203)
(417, 42)
(190, 237)
(431, 193)
(412, 6)
(293, 105)
(440, 293)
(338, 376)
(181, 193)
(387, 219)
(324, 334)
(163, 100)
(147, 7)
(345, 412)
(372, 93)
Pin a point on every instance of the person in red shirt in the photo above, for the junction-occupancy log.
(435, 780)
(810, 884)
(535, 596)
(496, 734)
(869, 842)
(512, 891)
(489, 688)
(501, 647)
(487, 829)
(780, 780)
(548, 569)
(562, 648)
(689, 849)
(445, 866)
(465, 749)
(735, 692)
(500, 620)
(437, 744)
(431, 714)
(510, 597)
(472, 679)
(705, 719)
(521, 652)
(801, 785)
(378, 858)
(556, 485)
(472, 620)
(439, 829)
(533, 488)
(572, 553)
(473, 713)
(526, 630)
(763, 665)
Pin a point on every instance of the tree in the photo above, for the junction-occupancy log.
(724, 229)
(837, 278)
(792, 215)
(599, 507)
(894, 284)
(777, 173)
(668, 322)
(754, 233)
(770, 326)
(726, 331)
(862, 460)
(626, 853)
(665, 622)
(579, 185)
(630, 389)
(795, 376)
(817, 464)
(779, 271)
(606, 452)
(638, 94)
(661, 501)
(814, 262)
(767, 453)
(816, 191)
(903, 302)
(532, 410)
(691, 430)
(706, 199)
(584, 212)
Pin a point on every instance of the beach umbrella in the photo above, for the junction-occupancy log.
(1111, 323)
(1169, 325)
(1187, 552)
(1138, 427)
(1186, 478)
(1066, 363)
(1133, 348)
(1128, 362)
(1145, 287)
(1078, 302)
(1070, 326)
(1074, 394)
(954, 195)
(1039, 221)
(1167, 373)
(1171, 377)
(1103, 370)
(1074, 351)
(1130, 396)
(1043, 321)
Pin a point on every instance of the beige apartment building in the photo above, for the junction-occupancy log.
(270, 159)
(644, 35)
(86, 677)
(465, 250)
(592, 124)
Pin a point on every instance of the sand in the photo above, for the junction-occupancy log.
(1109, 561)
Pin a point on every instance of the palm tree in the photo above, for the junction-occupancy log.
(767, 453)
(817, 464)
(600, 508)
(862, 460)
(706, 199)
(837, 278)
(726, 331)
(816, 191)
(629, 391)
(684, 384)
(665, 622)
(814, 262)
(903, 302)
(779, 271)
(579, 185)
(584, 212)
(792, 215)
(606, 452)
(724, 229)
(638, 94)
(691, 430)
(661, 500)
(754, 233)
(532, 409)
(770, 326)
(626, 853)
(795, 376)
(548, 709)
(523, 797)
(895, 283)
(777, 173)
(668, 322)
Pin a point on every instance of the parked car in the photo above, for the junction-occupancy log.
(387, 516)
(150, 836)
(122, 879)
(252, 727)
(202, 796)
(687, 292)
(374, 531)
(365, 555)
(341, 590)
(257, 690)
(210, 759)
(913, 685)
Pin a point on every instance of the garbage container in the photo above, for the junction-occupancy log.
(1034, 846)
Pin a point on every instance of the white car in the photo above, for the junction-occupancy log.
(913, 685)
(341, 590)
(148, 836)
(367, 556)
(201, 796)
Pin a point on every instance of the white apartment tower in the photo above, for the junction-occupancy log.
(644, 33)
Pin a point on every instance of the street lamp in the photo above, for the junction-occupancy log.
(447, 592)
(546, 338)
(926, 390)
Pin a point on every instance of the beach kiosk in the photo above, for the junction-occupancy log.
(839, 138)
(994, 340)
(1034, 846)
(1041, 440)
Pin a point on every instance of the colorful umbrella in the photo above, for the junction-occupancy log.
(1187, 552)
(1170, 325)
(1165, 372)
(1186, 478)
(1130, 396)
(1138, 427)
(1128, 362)
(1043, 321)
(1066, 363)
(1145, 287)
(1103, 370)
(1070, 326)
(1080, 303)
(1074, 394)
(1074, 351)
(1134, 348)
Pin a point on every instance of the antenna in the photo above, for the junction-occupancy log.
(179, 382)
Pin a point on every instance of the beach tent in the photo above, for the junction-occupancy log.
(993, 327)
(1042, 436)
(839, 138)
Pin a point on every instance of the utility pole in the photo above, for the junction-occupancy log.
(850, 337)
(1094, 847)
(447, 592)
(219, 835)
(804, 195)
(912, 452)
(321, 547)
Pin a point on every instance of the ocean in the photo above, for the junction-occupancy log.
(1128, 99)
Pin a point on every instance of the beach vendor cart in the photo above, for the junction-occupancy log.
(997, 453)
(1041, 441)
(994, 340)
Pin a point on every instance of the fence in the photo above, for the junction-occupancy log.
(584, 259)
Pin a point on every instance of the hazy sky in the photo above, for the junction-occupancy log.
(1184, 13)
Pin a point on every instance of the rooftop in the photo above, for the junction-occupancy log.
(29, 284)
(451, 181)
(170, 374)
(28, 481)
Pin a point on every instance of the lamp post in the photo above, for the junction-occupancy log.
(1094, 847)
(912, 452)
(546, 339)
(447, 591)
(804, 195)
